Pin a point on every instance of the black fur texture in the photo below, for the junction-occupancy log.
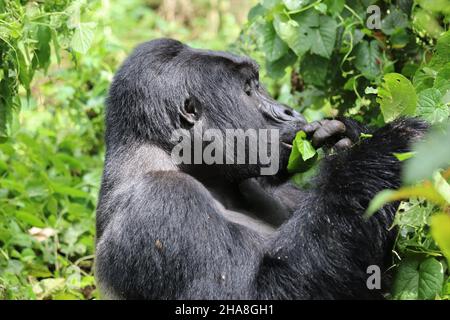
(160, 232)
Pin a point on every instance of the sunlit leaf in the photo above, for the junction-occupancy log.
(396, 97)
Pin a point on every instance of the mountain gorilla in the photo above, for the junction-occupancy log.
(198, 231)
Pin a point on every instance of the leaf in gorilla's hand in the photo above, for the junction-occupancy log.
(417, 279)
(396, 97)
(303, 154)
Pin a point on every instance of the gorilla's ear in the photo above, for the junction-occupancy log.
(190, 111)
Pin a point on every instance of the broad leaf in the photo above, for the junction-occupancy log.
(293, 5)
(368, 59)
(431, 154)
(440, 230)
(274, 48)
(292, 34)
(416, 279)
(276, 69)
(83, 36)
(303, 154)
(396, 97)
(314, 69)
(430, 106)
(324, 37)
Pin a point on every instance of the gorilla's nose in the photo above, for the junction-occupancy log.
(285, 113)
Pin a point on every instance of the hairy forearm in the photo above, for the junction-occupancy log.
(329, 228)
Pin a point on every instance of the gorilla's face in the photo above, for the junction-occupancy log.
(224, 93)
(165, 86)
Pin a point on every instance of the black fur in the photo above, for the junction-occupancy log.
(160, 232)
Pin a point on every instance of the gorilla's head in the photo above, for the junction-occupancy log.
(165, 85)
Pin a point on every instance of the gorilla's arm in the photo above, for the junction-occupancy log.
(275, 198)
(324, 250)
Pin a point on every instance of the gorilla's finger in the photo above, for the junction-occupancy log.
(311, 127)
(342, 144)
(328, 130)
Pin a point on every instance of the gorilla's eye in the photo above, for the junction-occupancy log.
(248, 88)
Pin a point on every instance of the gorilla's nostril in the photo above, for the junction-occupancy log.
(288, 112)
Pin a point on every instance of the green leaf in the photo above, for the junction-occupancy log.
(432, 154)
(368, 59)
(269, 4)
(44, 36)
(293, 5)
(417, 279)
(440, 230)
(313, 69)
(442, 53)
(431, 279)
(298, 32)
(324, 37)
(24, 74)
(426, 21)
(412, 214)
(65, 190)
(404, 155)
(396, 97)
(292, 35)
(335, 6)
(442, 81)
(83, 36)
(396, 20)
(303, 145)
(30, 219)
(272, 45)
(276, 69)
(424, 78)
(303, 154)
(256, 12)
(430, 106)
(441, 185)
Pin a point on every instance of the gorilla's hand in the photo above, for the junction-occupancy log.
(329, 134)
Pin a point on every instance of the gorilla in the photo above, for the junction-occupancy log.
(168, 230)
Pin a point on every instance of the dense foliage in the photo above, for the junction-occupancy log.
(324, 57)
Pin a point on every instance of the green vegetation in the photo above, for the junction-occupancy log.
(57, 58)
